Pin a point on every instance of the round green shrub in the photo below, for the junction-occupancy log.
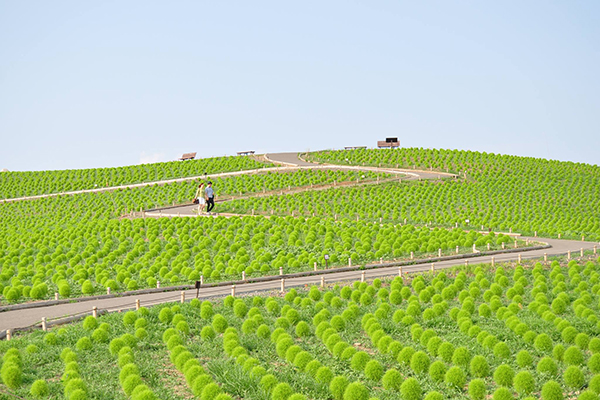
(11, 375)
(524, 359)
(129, 318)
(219, 323)
(200, 383)
(90, 323)
(165, 315)
(524, 382)
(32, 349)
(455, 378)
(208, 333)
(210, 391)
(374, 370)
(573, 356)
(411, 390)
(51, 339)
(479, 367)
(302, 359)
(477, 390)
(281, 392)
(552, 391)
(268, 382)
(543, 343)
(573, 377)
(78, 394)
(588, 395)
(501, 350)
(100, 336)
(461, 357)
(594, 363)
(130, 383)
(594, 345)
(558, 352)
(582, 340)
(356, 391)
(419, 362)
(502, 393)
(434, 396)
(359, 361)
(504, 375)
(302, 329)
(39, 389)
(337, 386)
(84, 344)
(324, 375)
(445, 351)
(547, 366)
(437, 371)
(392, 379)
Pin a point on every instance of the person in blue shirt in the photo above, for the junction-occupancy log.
(210, 197)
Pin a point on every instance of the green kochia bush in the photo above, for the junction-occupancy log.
(374, 370)
(337, 386)
(551, 390)
(419, 362)
(455, 378)
(573, 377)
(411, 390)
(504, 375)
(547, 366)
(434, 396)
(356, 391)
(479, 367)
(39, 389)
(524, 382)
(477, 390)
(502, 393)
(392, 379)
(437, 371)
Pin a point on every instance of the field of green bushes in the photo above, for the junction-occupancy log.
(517, 331)
(20, 184)
(514, 332)
(495, 191)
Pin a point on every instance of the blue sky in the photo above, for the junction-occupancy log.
(92, 84)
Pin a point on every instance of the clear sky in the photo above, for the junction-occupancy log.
(108, 83)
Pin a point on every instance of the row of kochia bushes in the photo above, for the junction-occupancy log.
(129, 255)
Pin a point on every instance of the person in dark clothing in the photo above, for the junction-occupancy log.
(210, 197)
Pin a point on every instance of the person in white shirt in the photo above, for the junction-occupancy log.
(210, 198)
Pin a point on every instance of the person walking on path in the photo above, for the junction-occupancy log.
(210, 197)
(200, 197)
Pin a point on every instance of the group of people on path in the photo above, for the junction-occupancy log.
(205, 198)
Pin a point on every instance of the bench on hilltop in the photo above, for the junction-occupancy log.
(245, 153)
(388, 142)
(187, 156)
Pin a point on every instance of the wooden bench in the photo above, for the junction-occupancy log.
(245, 153)
(388, 142)
(187, 156)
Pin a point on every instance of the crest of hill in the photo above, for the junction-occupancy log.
(31, 183)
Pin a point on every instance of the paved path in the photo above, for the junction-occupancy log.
(24, 318)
